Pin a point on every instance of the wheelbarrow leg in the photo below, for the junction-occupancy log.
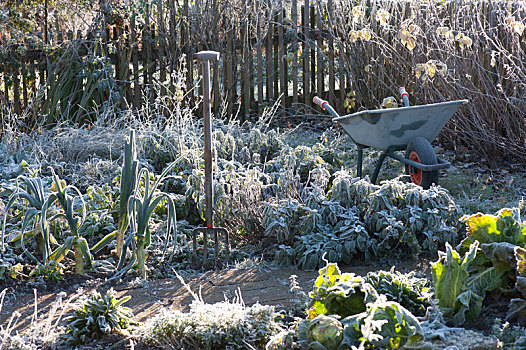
(378, 166)
(360, 162)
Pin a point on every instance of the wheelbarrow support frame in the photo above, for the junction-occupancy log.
(390, 152)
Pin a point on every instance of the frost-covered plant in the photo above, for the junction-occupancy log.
(212, 326)
(99, 315)
(406, 289)
(140, 207)
(504, 226)
(511, 336)
(284, 340)
(223, 325)
(128, 182)
(450, 278)
(385, 325)
(322, 332)
(346, 294)
(439, 336)
(288, 219)
(38, 201)
(52, 270)
(44, 329)
(355, 217)
(66, 196)
(45, 206)
(346, 310)
(10, 266)
(336, 293)
(7, 270)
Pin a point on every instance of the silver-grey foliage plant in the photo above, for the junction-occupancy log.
(356, 218)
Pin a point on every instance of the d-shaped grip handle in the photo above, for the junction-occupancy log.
(207, 56)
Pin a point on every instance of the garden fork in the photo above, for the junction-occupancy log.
(205, 57)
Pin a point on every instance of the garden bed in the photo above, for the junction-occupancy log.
(319, 165)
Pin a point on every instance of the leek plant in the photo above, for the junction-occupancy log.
(127, 185)
(38, 202)
(41, 205)
(141, 205)
(66, 195)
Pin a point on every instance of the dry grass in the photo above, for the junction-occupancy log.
(43, 329)
(481, 46)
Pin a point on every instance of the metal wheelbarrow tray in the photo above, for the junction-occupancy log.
(412, 128)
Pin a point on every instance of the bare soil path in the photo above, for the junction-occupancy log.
(269, 286)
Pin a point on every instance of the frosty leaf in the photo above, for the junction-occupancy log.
(411, 43)
(517, 311)
(487, 280)
(520, 256)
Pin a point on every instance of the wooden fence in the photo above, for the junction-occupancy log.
(269, 51)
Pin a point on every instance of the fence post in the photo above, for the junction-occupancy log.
(305, 22)
(137, 100)
(268, 54)
(275, 39)
(312, 28)
(294, 19)
(282, 61)
(259, 59)
(319, 51)
(186, 37)
(332, 82)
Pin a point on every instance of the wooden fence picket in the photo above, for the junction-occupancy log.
(294, 19)
(332, 80)
(320, 88)
(137, 100)
(281, 53)
(259, 59)
(306, 51)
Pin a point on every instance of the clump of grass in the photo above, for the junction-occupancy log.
(223, 325)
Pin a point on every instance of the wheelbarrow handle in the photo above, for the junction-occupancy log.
(320, 102)
(325, 105)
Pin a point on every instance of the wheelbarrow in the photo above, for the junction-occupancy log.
(409, 128)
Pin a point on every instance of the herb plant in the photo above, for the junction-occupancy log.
(356, 218)
(98, 315)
